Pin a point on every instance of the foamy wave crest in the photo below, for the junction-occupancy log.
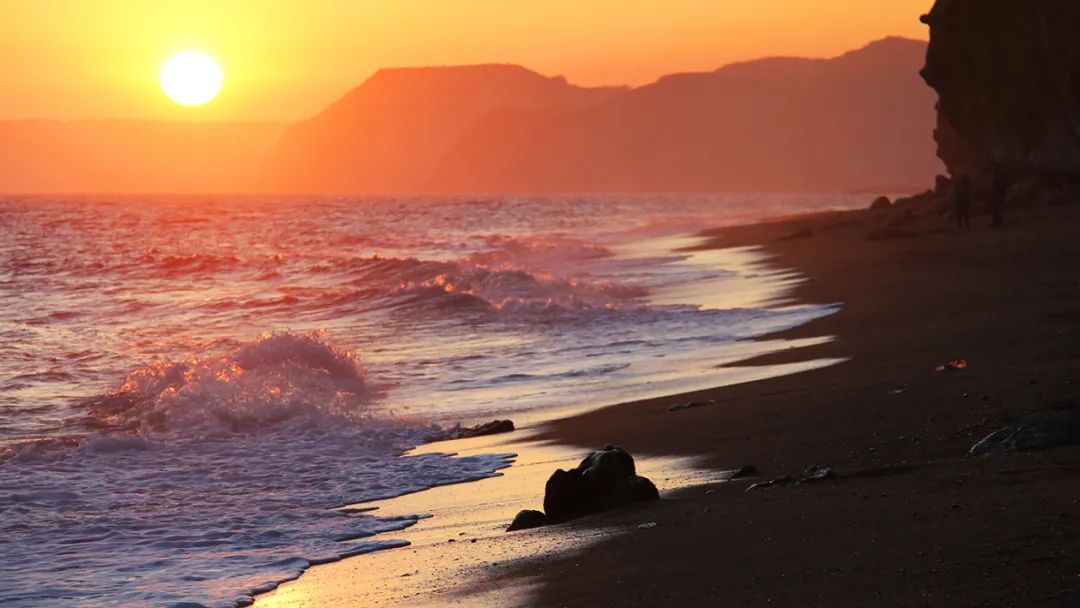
(519, 290)
(516, 274)
(185, 263)
(211, 480)
(298, 379)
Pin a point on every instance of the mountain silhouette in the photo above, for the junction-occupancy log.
(389, 134)
(858, 121)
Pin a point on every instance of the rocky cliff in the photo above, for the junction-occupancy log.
(1008, 77)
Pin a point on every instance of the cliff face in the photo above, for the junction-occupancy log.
(1008, 77)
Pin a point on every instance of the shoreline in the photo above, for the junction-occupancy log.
(894, 430)
(478, 511)
(909, 520)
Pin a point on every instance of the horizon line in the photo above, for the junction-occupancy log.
(286, 121)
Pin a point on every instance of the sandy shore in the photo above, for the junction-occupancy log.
(909, 521)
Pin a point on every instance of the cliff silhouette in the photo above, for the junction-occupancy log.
(1008, 77)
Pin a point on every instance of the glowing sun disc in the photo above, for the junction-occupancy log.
(191, 78)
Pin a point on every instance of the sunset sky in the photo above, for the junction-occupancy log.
(285, 60)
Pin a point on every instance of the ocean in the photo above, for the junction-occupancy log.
(192, 387)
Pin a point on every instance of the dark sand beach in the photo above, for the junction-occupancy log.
(908, 520)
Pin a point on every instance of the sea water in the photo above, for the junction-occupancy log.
(192, 387)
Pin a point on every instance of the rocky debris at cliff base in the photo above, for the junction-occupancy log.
(1043, 192)
(1037, 431)
(880, 203)
(605, 479)
(817, 472)
(931, 199)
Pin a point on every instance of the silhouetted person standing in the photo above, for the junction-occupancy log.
(998, 192)
(962, 195)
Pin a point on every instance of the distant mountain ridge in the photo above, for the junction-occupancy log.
(807, 125)
(856, 121)
(861, 120)
(389, 134)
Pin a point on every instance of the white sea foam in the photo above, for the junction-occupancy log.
(282, 378)
(218, 478)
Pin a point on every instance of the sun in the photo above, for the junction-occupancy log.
(191, 78)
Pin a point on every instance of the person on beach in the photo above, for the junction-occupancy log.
(998, 191)
(962, 194)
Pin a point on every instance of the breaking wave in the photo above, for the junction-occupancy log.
(212, 479)
(280, 378)
(213, 466)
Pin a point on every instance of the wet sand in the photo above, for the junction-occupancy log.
(450, 555)
(909, 521)
(454, 553)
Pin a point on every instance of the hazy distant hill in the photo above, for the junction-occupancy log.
(389, 134)
(858, 121)
(133, 156)
(863, 120)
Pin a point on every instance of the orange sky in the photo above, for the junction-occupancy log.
(286, 59)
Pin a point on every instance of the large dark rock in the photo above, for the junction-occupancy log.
(605, 479)
(1008, 77)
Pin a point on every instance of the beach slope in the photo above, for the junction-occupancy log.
(908, 520)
